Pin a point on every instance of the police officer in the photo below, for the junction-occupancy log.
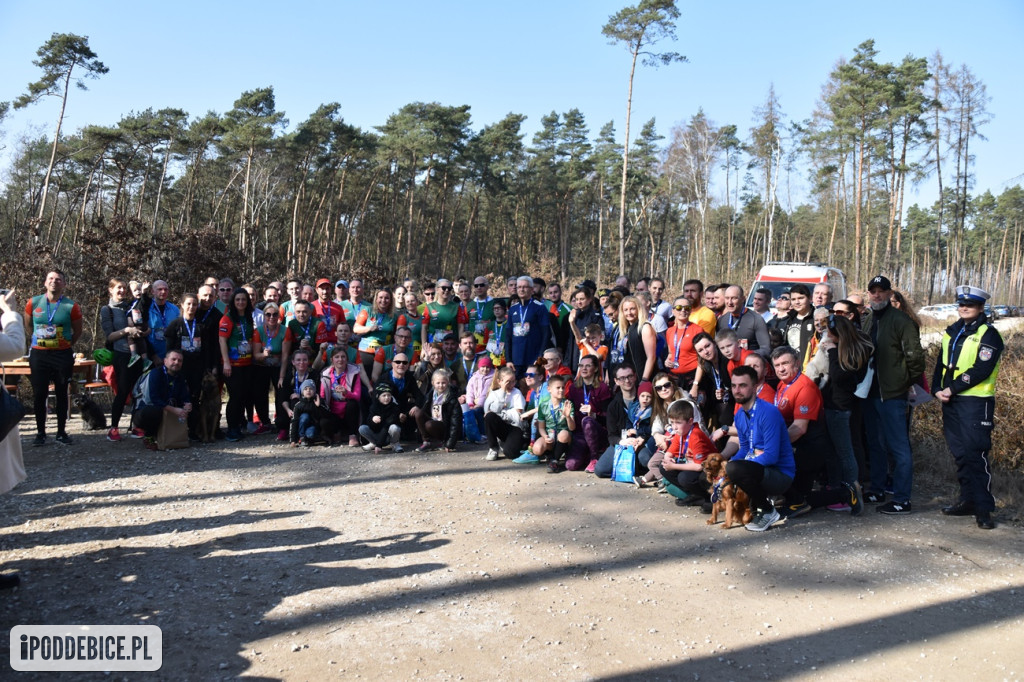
(965, 382)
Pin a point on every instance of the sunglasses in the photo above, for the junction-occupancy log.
(530, 374)
(680, 308)
(783, 298)
(224, 289)
(399, 362)
(480, 284)
(446, 288)
(429, 293)
(662, 387)
(270, 316)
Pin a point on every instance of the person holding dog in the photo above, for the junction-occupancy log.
(763, 466)
(965, 383)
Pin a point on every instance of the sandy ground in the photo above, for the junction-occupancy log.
(266, 562)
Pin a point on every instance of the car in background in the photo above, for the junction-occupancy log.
(779, 277)
(1001, 311)
(940, 311)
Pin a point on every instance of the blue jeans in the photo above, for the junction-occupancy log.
(885, 422)
(308, 427)
(842, 442)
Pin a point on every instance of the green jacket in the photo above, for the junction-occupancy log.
(899, 358)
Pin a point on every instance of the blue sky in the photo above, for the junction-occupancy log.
(527, 57)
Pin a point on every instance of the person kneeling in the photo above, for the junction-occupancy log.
(763, 465)
(162, 389)
(440, 416)
(683, 465)
(382, 428)
(555, 424)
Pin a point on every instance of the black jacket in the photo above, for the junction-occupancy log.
(451, 416)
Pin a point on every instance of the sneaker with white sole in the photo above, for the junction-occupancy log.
(492, 455)
(763, 520)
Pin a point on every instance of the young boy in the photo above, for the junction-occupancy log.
(687, 449)
(729, 346)
(555, 424)
(382, 427)
(306, 416)
(496, 334)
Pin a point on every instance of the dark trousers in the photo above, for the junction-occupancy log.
(50, 366)
(692, 482)
(335, 427)
(502, 435)
(148, 419)
(757, 481)
(430, 429)
(240, 387)
(967, 426)
(125, 378)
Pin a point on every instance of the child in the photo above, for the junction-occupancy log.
(591, 343)
(306, 416)
(497, 333)
(729, 346)
(135, 318)
(440, 417)
(555, 424)
(382, 427)
(683, 463)
(476, 394)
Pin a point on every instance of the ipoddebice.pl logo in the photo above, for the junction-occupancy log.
(86, 647)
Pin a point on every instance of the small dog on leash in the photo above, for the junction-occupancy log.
(92, 413)
(725, 495)
(209, 407)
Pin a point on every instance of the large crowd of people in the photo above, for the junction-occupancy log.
(805, 396)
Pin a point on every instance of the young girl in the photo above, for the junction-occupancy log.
(382, 427)
(476, 393)
(440, 417)
(555, 423)
(503, 411)
(306, 416)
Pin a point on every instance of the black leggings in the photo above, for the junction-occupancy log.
(47, 366)
(124, 378)
(239, 393)
(758, 481)
(498, 429)
(336, 428)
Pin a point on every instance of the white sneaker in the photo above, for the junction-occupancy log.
(368, 447)
(492, 455)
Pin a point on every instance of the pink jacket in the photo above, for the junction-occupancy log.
(478, 387)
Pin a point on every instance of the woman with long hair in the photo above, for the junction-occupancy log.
(713, 381)
(124, 325)
(899, 301)
(410, 316)
(637, 341)
(239, 344)
(185, 333)
(376, 327)
(590, 397)
(849, 353)
(431, 359)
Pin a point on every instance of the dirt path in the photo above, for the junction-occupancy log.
(266, 562)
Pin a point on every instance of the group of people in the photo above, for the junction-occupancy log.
(807, 398)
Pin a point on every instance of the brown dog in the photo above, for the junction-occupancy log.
(725, 494)
(209, 407)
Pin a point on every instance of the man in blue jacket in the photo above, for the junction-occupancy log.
(531, 331)
(764, 464)
(162, 389)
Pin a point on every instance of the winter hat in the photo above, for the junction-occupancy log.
(645, 387)
(309, 383)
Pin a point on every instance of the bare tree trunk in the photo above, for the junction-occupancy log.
(625, 166)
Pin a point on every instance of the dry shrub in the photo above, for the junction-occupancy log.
(932, 459)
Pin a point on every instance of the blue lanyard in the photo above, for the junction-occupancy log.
(298, 382)
(785, 389)
(308, 325)
(733, 319)
(680, 334)
(326, 309)
(210, 310)
(750, 422)
(56, 307)
(467, 369)
(163, 319)
(191, 330)
(522, 313)
(586, 395)
(684, 444)
(498, 329)
(952, 347)
(717, 377)
(399, 383)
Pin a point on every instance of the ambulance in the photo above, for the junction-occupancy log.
(779, 277)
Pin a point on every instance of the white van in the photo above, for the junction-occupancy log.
(779, 278)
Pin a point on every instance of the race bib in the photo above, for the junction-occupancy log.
(520, 328)
(158, 334)
(435, 412)
(481, 327)
(47, 332)
(616, 356)
(243, 348)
